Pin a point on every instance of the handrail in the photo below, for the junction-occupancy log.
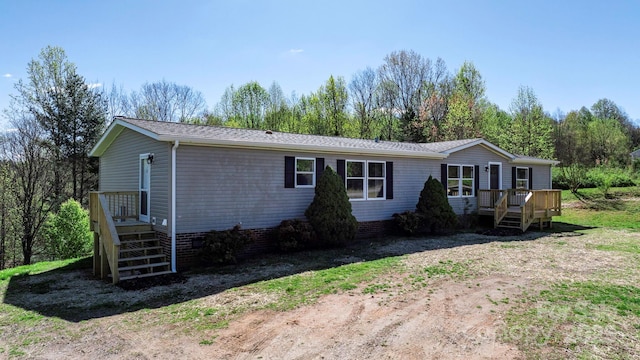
(500, 209)
(102, 223)
(527, 212)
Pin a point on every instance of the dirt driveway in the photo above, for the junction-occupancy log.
(453, 314)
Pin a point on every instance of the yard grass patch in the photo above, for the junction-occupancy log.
(307, 287)
(44, 266)
(585, 319)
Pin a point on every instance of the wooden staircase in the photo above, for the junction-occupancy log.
(141, 254)
(512, 220)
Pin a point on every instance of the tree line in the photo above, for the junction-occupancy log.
(58, 117)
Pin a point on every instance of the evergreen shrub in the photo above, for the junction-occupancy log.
(67, 233)
(434, 208)
(222, 247)
(330, 211)
(294, 235)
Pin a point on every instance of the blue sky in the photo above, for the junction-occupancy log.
(571, 53)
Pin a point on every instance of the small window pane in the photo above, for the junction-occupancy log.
(354, 169)
(454, 171)
(304, 179)
(376, 170)
(376, 189)
(355, 188)
(522, 184)
(452, 187)
(467, 187)
(522, 173)
(467, 172)
(304, 165)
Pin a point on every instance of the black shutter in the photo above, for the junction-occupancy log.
(476, 180)
(443, 176)
(319, 168)
(530, 178)
(341, 169)
(289, 172)
(513, 177)
(389, 174)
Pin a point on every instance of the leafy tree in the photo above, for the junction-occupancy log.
(334, 98)
(531, 130)
(67, 232)
(495, 125)
(277, 108)
(249, 104)
(330, 211)
(434, 208)
(609, 144)
(72, 116)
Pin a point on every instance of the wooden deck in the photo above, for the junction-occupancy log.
(519, 208)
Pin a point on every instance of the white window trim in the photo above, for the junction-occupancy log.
(527, 178)
(365, 179)
(460, 178)
(383, 178)
(489, 174)
(296, 172)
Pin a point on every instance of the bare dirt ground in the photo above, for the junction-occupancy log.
(453, 316)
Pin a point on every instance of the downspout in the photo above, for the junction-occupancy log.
(173, 204)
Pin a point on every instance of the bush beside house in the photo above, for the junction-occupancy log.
(330, 211)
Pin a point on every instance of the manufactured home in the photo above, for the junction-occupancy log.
(163, 185)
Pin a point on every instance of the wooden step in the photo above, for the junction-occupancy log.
(144, 257)
(144, 266)
(146, 248)
(137, 241)
(166, 272)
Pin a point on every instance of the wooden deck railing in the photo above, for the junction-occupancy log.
(102, 206)
(122, 204)
(527, 211)
(501, 209)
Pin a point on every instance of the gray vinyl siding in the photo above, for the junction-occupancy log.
(481, 156)
(218, 188)
(119, 170)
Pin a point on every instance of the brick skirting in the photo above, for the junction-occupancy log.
(189, 245)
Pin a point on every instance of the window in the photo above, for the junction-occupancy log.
(305, 172)
(365, 180)
(460, 180)
(522, 178)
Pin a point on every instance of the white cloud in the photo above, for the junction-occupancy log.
(7, 75)
(94, 85)
(296, 51)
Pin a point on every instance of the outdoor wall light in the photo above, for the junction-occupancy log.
(150, 159)
(486, 168)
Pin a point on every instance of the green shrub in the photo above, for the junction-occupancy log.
(330, 211)
(603, 177)
(293, 235)
(222, 247)
(67, 233)
(408, 222)
(434, 208)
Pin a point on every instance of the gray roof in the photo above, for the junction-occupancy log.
(636, 154)
(248, 138)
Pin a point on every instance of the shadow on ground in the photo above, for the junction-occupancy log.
(73, 294)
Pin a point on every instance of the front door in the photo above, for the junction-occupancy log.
(495, 175)
(145, 185)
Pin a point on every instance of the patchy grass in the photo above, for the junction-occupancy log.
(456, 270)
(620, 210)
(44, 266)
(307, 287)
(584, 319)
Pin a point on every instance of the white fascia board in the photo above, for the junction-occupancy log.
(307, 148)
(485, 143)
(529, 161)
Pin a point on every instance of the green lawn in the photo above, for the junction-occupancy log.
(619, 210)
